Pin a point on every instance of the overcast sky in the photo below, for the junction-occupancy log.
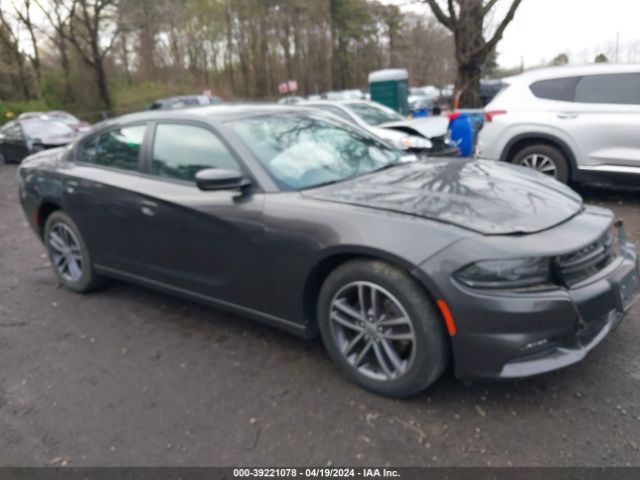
(543, 29)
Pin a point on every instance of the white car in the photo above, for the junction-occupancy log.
(430, 135)
(576, 124)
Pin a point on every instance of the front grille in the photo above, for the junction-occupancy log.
(586, 262)
(439, 144)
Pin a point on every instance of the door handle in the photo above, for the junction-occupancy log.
(148, 208)
(568, 115)
(148, 211)
(71, 186)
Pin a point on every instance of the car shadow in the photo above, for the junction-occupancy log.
(190, 320)
(605, 193)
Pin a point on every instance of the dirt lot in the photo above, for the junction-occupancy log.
(127, 376)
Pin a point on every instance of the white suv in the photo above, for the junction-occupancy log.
(571, 123)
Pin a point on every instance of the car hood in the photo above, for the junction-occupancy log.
(487, 197)
(430, 127)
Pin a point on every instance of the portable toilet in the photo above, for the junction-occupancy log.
(390, 88)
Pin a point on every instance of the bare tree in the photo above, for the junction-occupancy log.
(465, 19)
(59, 23)
(91, 23)
(24, 17)
(9, 40)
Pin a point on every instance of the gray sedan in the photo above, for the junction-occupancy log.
(297, 219)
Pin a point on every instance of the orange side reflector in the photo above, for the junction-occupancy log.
(448, 319)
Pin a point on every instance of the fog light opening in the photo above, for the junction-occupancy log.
(537, 347)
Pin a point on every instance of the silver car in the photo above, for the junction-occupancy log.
(421, 135)
(571, 123)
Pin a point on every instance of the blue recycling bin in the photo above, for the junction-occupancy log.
(462, 133)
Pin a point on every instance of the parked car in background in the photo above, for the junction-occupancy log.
(420, 104)
(428, 91)
(345, 95)
(291, 100)
(422, 135)
(185, 101)
(419, 101)
(304, 222)
(71, 120)
(27, 115)
(489, 89)
(575, 123)
(60, 116)
(30, 134)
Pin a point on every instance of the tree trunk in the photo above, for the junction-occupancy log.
(103, 88)
(468, 85)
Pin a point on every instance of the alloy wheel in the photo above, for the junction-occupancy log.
(66, 252)
(373, 331)
(541, 163)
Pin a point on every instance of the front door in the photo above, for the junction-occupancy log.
(208, 243)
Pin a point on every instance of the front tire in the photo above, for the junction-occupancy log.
(544, 159)
(69, 256)
(381, 329)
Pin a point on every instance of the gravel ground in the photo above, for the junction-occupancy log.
(128, 376)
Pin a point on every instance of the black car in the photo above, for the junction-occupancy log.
(185, 101)
(25, 136)
(297, 219)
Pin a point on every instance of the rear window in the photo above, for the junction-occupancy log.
(622, 89)
(555, 89)
(118, 148)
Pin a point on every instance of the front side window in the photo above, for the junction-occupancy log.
(181, 151)
(620, 89)
(305, 150)
(118, 148)
(375, 115)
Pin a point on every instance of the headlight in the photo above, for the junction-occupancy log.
(414, 142)
(520, 273)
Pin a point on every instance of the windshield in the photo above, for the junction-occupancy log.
(374, 114)
(64, 117)
(306, 150)
(43, 128)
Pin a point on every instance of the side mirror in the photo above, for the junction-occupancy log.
(220, 179)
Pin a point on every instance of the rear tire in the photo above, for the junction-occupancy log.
(545, 159)
(69, 256)
(374, 298)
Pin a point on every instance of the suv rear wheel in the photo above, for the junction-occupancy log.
(544, 159)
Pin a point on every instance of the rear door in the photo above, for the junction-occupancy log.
(210, 243)
(100, 194)
(603, 120)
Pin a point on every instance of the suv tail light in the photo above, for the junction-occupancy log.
(488, 116)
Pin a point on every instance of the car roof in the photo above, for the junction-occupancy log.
(572, 71)
(218, 113)
(337, 103)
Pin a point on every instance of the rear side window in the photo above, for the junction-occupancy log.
(181, 151)
(119, 148)
(621, 89)
(562, 89)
